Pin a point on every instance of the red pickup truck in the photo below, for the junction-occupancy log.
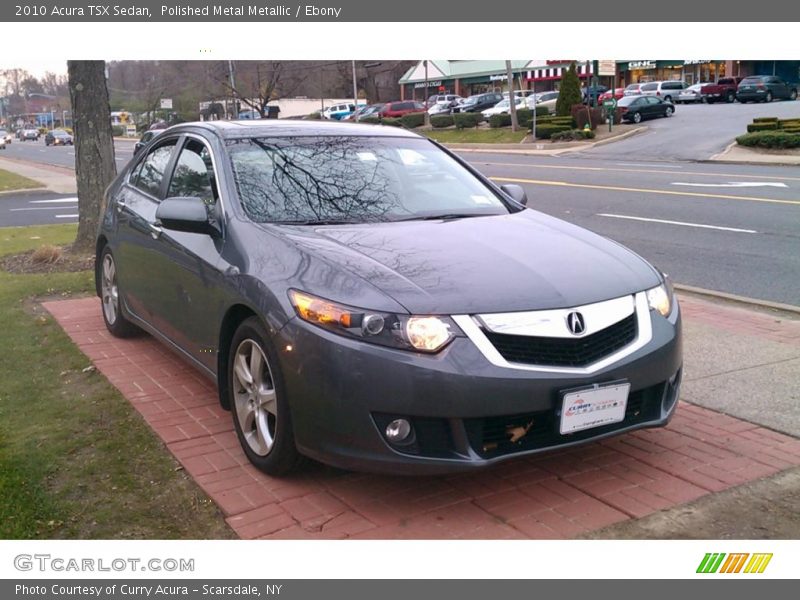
(723, 90)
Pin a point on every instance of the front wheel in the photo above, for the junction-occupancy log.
(793, 95)
(115, 321)
(637, 117)
(668, 112)
(769, 97)
(258, 403)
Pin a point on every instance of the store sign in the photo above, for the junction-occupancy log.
(641, 64)
(697, 62)
(421, 84)
(606, 68)
(498, 77)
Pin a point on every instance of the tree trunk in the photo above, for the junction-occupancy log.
(512, 101)
(95, 165)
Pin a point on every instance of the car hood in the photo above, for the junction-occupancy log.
(522, 261)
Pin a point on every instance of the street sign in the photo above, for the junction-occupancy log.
(610, 104)
(130, 130)
(166, 103)
(607, 68)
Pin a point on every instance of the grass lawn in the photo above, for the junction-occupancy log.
(11, 181)
(76, 460)
(476, 136)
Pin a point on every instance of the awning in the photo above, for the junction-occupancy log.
(551, 73)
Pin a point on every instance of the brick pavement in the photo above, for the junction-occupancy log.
(555, 495)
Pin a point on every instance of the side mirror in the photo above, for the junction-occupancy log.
(185, 214)
(516, 192)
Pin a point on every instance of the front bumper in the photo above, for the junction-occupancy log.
(343, 392)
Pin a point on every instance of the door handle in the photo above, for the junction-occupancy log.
(155, 230)
(121, 205)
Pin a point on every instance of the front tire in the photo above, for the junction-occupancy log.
(115, 321)
(768, 97)
(668, 112)
(793, 95)
(258, 401)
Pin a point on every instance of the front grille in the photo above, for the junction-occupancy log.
(491, 436)
(564, 352)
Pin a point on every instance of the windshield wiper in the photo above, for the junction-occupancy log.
(315, 222)
(441, 217)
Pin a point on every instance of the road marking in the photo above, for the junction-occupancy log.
(66, 216)
(37, 208)
(54, 201)
(644, 190)
(692, 173)
(650, 166)
(735, 184)
(683, 223)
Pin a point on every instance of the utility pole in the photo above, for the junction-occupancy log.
(425, 97)
(355, 89)
(512, 101)
(233, 88)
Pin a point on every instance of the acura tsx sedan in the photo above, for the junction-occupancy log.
(362, 296)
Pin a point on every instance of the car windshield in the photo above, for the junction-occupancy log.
(349, 179)
(633, 86)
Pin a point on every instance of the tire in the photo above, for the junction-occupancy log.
(115, 321)
(637, 117)
(668, 111)
(793, 95)
(259, 406)
(768, 97)
(703, 100)
(668, 99)
(730, 97)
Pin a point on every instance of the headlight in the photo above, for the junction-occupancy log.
(407, 332)
(660, 298)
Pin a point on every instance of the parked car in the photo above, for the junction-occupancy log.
(634, 89)
(371, 110)
(639, 108)
(29, 133)
(478, 102)
(6, 136)
(765, 88)
(546, 100)
(616, 93)
(666, 90)
(258, 241)
(441, 98)
(338, 111)
(444, 104)
(592, 91)
(400, 108)
(58, 137)
(723, 90)
(145, 139)
(504, 106)
(692, 94)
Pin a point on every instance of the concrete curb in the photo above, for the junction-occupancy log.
(792, 160)
(766, 304)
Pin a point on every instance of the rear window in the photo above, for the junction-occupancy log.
(726, 81)
(751, 80)
(649, 87)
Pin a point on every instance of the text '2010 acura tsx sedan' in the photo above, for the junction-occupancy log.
(362, 296)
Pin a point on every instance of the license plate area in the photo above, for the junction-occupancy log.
(590, 407)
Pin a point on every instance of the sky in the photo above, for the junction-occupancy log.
(37, 68)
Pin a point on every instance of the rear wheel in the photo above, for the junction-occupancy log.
(730, 97)
(115, 322)
(259, 406)
(637, 117)
(667, 98)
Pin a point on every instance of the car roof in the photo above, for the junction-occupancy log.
(292, 128)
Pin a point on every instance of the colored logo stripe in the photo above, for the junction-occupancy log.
(712, 562)
(758, 563)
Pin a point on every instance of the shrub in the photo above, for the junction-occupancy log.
(371, 120)
(464, 120)
(391, 121)
(496, 121)
(753, 127)
(314, 116)
(572, 134)
(46, 254)
(542, 111)
(582, 115)
(784, 123)
(117, 130)
(544, 132)
(440, 121)
(412, 120)
(765, 120)
(570, 92)
(770, 139)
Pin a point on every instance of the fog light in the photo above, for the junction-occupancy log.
(372, 324)
(398, 430)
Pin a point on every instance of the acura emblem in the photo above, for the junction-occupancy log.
(576, 323)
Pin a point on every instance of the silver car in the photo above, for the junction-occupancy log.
(692, 94)
(666, 90)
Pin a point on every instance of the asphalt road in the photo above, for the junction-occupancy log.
(730, 228)
(60, 156)
(695, 132)
(37, 208)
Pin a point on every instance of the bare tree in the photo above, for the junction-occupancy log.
(95, 167)
(258, 83)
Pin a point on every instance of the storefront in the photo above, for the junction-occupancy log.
(690, 71)
(462, 77)
(547, 77)
(701, 71)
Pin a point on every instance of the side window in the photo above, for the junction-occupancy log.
(194, 174)
(151, 172)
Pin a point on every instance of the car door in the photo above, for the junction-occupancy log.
(136, 207)
(191, 285)
(779, 87)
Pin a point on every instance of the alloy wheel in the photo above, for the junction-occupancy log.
(255, 397)
(110, 290)
(637, 117)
